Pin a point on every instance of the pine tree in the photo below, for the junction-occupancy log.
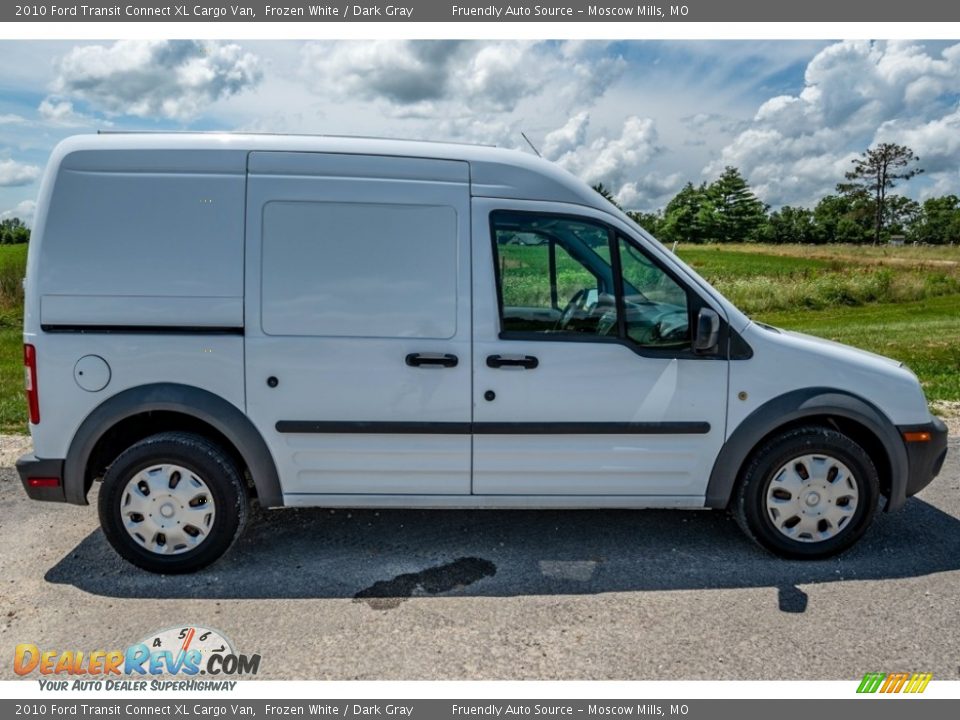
(739, 213)
(607, 195)
(877, 171)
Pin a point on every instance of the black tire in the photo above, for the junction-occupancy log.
(750, 498)
(198, 455)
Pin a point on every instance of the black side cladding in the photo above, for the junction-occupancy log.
(226, 418)
(794, 406)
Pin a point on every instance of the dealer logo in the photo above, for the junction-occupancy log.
(212, 650)
(189, 650)
(894, 682)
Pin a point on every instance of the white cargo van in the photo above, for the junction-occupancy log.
(345, 322)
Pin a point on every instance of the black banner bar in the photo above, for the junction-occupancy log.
(228, 708)
(619, 11)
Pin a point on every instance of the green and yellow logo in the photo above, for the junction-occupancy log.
(894, 682)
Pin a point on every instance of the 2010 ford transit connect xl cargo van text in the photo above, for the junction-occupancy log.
(347, 322)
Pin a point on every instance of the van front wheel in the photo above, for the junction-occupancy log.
(172, 503)
(808, 493)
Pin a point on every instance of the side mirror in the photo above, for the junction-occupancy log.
(708, 331)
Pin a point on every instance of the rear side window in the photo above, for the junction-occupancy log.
(359, 270)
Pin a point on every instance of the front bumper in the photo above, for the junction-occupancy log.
(924, 457)
(42, 479)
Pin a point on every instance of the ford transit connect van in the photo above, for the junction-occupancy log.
(344, 322)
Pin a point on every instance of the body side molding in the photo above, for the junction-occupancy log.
(89, 329)
(496, 428)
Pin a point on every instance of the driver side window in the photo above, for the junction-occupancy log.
(554, 275)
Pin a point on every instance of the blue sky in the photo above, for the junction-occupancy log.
(642, 117)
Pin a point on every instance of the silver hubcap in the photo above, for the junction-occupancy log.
(812, 498)
(167, 509)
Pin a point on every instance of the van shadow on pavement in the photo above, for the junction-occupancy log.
(383, 557)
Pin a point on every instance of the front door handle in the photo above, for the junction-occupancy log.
(527, 362)
(432, 359)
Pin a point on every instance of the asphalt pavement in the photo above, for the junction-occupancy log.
(323, 594)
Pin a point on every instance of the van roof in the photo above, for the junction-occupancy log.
(494, 171)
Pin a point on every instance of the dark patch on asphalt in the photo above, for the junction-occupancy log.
(792, 599)
(388, 594)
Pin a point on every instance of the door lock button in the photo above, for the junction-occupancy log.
(489, 396)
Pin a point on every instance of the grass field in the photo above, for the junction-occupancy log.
(925, 334)
(901, 302)
(760, 279)
(13, 406)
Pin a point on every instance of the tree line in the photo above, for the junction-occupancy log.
(863, 209)
(13, 232)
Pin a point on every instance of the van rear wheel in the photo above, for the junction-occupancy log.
(806, 494)
(172, 503)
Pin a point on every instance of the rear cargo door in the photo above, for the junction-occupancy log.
(358, 322)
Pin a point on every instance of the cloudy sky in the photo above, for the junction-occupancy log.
(642, 117)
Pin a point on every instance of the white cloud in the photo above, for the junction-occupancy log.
(710, 121)
(174, 79)
(497, 75)
(944, 183)
(936, 142)
(612, 161)
(500, 132)
(13, 173)
(620, 163)
(402, 72)
(855, 94)
(568, 138)
(482, 77)
(23, 210)
(11, 119)
(651, 191)
(61, 113)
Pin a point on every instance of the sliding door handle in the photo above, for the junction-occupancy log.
(432, 359)
(527, 362)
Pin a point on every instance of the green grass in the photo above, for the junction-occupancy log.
(900, 302)
(13, 263)
(530, 264)
(719, 262)
(13, 407)
(880, 254)
(760, 279)
(924, 334)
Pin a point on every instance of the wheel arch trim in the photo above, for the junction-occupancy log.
(796, 405)
(226, 418)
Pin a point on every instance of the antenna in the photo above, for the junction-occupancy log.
(531, 144)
